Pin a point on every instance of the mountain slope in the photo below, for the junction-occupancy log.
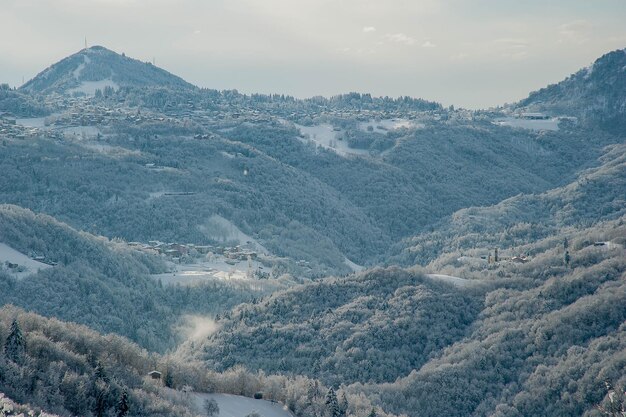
(100, 283)
(597, 194)
(97, 68)
(545, 343)
(71, 370)
(595, 94)
(375, 326)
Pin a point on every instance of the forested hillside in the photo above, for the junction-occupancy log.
(101, 68)
(545, 342)
(492, 345)
(71, 370)
(100, 283)
(19, 104)
(375, 326)
(597, 194)
(227, 229)
(594, 94)
(154, 181)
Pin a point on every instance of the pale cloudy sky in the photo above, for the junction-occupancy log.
(470, 53)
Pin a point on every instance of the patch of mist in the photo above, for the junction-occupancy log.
(196, 327)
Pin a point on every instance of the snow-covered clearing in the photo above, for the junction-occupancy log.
(112, 151)
(89, 87)
(79, 69)
(214, 269)
(385, 125)
(238, 406)
(456, 281)
(547, 124)
(354, 267)
(326, 136)
(82, 132)
(32, 122)
(219, 228)
(26, 265)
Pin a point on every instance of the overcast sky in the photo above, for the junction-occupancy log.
(470, 53)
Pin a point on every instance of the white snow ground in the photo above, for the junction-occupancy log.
(222, 229)
(238, 406)
(456, 281)
(385, 125)
(89, 87)
(325, 136)
(39, 122)
(211, 270)
(8, 254)
(354, 267)
(84, 132)
(548, 124)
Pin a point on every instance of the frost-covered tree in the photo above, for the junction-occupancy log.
(211, 408)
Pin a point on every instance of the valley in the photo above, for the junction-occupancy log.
(164, 245)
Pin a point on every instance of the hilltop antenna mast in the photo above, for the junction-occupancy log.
(85, 42)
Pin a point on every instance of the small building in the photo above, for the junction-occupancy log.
(520, 259)
(154, 374)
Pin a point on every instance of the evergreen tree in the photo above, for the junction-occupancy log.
(332, 405)
(100, 373)
(372, 412)
(168, 380)
(15, 344)
(343, 404)
(566, 258)
(122, 405)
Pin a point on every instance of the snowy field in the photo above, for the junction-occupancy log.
(238, 406)
(456, 281)
(211, 270)
(89, 87)
(354, 267)
(548, 124)
(39, 122)
(222, 229)
(82, 131)
(385, 125)
(325, 136)
(8, 254)
(108, 150)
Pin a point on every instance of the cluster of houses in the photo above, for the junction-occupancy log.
(179, 251)
(9, 128)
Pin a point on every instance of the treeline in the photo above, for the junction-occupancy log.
(68, 369)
